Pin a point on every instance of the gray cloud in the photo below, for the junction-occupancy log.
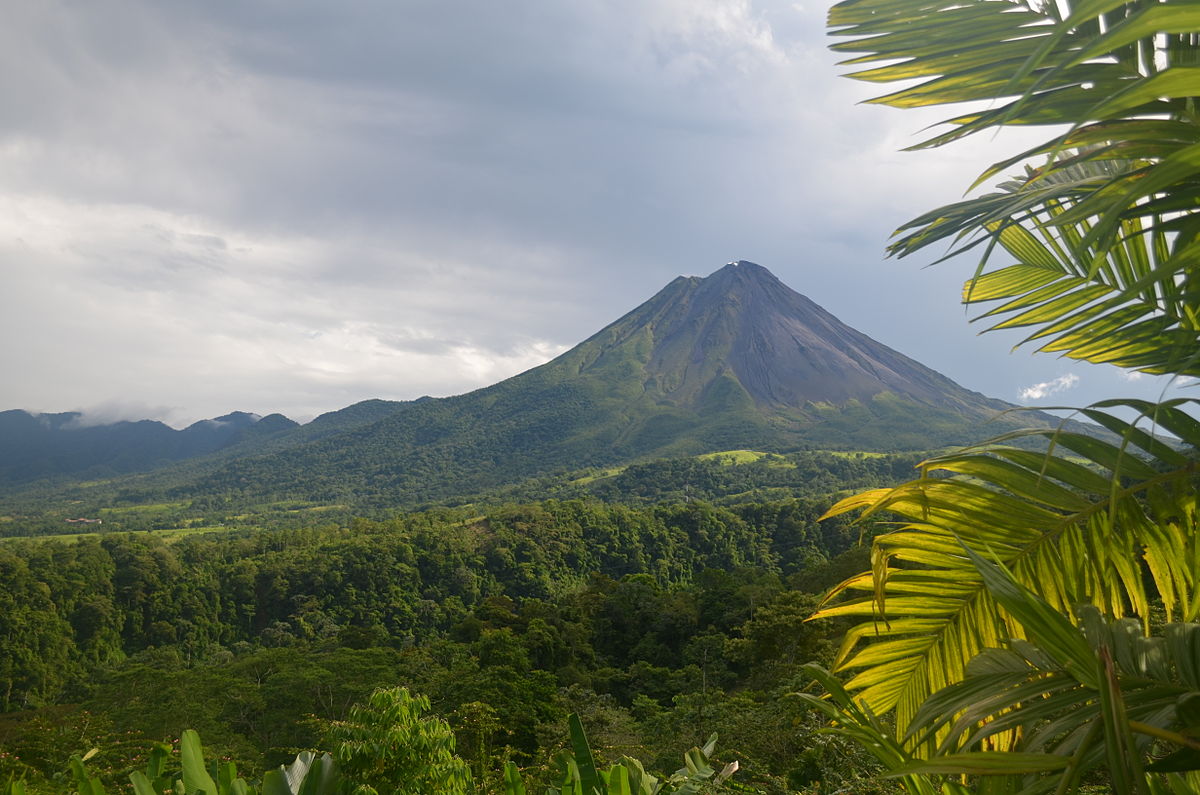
(111, 411)
(291, 207)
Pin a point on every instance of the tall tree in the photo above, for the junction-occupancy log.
(388, 744)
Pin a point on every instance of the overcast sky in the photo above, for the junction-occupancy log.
(294, 206)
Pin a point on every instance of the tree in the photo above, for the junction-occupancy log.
(1099, 233)
(387, 746)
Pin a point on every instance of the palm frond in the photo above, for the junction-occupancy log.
(1113, 207)
(1109, 523)
(1082, 699)
(1093, 251)
(1125, 305)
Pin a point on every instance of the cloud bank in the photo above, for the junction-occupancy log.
(292, 207)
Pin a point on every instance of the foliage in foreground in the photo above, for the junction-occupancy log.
(994, 614)
(1065, 706)
(388, 745)
(626, 776)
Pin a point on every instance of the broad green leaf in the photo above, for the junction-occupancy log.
(141, 784)
(512, 780)
(195, 776)
(589, 779)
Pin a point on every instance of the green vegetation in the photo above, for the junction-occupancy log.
(659, 625)
(1031, 625)
(1025, 620)
(387, 743)
(722, 478)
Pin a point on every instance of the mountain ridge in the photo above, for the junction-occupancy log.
(733, 360)
(67, 443)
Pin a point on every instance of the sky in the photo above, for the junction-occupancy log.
(290, 207)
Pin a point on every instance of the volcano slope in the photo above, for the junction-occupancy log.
(733, 360)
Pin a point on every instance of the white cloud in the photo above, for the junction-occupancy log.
(1047, 388)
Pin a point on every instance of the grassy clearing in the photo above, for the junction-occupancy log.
(176, 533)
(733, 457)
(294, 507)
(738, 457)
(856, 454)
(598, 475)
(725, 457)
(150, 507)
(169, 534)
(317, 508)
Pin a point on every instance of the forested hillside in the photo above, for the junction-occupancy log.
(659, 624)
(724, 478)
(68, 445)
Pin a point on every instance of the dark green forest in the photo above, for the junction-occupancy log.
(658, 624)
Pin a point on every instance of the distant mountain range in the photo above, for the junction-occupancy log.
(34, 446)
(734, 360)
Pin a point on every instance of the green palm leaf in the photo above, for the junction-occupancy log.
(1088, 523)
(1093, 251)
(1088, 698)
(1112, 208)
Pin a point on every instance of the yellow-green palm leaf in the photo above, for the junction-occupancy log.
(1093, 252)
(1092, 522)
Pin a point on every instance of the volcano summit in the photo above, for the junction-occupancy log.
(733, 360)
(783, 350)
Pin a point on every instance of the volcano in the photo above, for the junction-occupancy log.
(733, 360)
(742, 324)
